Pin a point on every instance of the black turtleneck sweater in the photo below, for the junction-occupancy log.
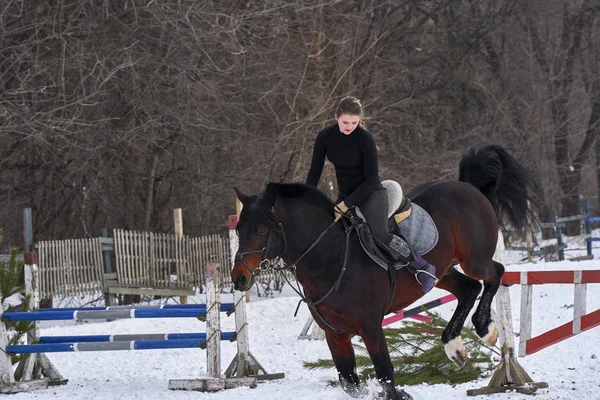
(354, 157)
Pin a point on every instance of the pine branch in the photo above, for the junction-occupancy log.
(418, 355)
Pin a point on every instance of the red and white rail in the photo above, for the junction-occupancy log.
(582, 320)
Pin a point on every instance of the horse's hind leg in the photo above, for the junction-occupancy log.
(482, 319)
(466, 290)
(344, 359)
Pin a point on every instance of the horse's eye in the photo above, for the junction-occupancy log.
(261, 230)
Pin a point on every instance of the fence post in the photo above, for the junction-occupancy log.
(213, 327)
(559, 241)
(27, 230)
(588, 226)
(109, 299)
(178, 221)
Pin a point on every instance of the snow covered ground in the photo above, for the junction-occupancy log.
(571, 368)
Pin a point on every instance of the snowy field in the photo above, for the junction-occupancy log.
(571, 368)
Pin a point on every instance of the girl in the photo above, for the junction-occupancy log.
(352, 151)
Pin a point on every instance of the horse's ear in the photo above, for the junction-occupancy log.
(240, 195)
(269, 194)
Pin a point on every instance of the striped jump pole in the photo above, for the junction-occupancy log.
(113, 313)
(147, 307)
(107, 345)
(416, 311)
(131, 337)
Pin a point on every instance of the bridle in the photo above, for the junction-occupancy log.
(266, 263)
(272, 264)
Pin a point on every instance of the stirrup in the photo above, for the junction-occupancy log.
(422, 271)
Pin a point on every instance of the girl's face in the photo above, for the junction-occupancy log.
(347, 123)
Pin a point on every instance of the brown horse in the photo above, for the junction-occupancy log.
(348, 294)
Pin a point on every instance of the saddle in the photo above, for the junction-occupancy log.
(406, 220)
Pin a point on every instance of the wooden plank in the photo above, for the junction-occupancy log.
(547, 339)
(32, 288)
(561, 333)
(6, 372)
(571, 218)
(579, 303)
(211, 384)
(590, 320)
(526, 311)
(150, 291)
(590, 276)
(549, 277)
(19, 387)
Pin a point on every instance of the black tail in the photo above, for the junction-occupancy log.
(507, 184)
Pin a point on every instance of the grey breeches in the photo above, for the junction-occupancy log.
(375, 209)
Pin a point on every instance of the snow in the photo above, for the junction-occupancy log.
(570, 367)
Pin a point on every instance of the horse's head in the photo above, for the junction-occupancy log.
(261, 236)
(303, 209)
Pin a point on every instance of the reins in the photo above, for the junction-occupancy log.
(267, 264)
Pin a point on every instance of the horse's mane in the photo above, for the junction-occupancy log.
(299, 191)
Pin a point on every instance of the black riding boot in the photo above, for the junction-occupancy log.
(425, 272)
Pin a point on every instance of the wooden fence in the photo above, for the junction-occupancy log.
(145, 263)
(70, 267)
(152, 259)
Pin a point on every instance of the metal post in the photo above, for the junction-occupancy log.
(588, 227)
(27, 231)
(559, 242)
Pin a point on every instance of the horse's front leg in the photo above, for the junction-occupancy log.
(378, 351)
(344, 359)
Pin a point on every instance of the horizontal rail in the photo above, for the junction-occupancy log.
(105, 346)
(565, 331)
(549, 277)
(552, 225)
(6, 257)
(199, 312)
(131, 337)
(149, 307)
(572, 218)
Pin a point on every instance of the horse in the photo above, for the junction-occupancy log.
(348, 294)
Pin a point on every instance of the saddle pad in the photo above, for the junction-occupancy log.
(419, 230)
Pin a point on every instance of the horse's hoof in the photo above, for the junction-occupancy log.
(354, 391)
(394, 395)
(492, 336)
(456, 351)
(402, 395)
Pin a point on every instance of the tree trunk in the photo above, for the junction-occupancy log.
(150, 193)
